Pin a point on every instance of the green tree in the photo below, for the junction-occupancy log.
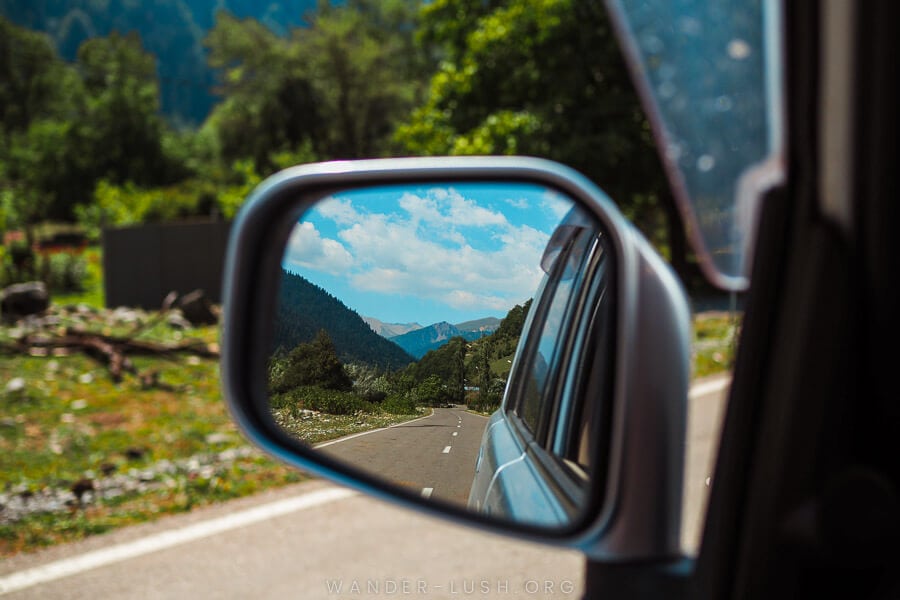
(313, 363)
(363, 72)
(543, 78)
(32, 76)
(269, 104)
(447, 363)
(432, 391)
(122, 127)
(40, 153)
(482, 376)
(337, 87)
(65, 126)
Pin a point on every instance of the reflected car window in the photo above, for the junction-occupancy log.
(577, 414)
(567, 274)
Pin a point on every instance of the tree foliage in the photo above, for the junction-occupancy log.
(122, 127)
(353, 79)
(537, 77)
(337, 86)
(303, 309)
(66, 126)
(313, 364)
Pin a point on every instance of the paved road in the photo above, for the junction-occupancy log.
(705, 413)
(365, 547)
(434, 455)
(314, 540)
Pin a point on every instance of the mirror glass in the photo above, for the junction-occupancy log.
(399, 315)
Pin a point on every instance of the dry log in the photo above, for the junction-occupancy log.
(111, 351)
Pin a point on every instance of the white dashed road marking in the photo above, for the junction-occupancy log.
(447, 450)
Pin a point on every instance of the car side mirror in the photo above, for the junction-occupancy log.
(485, 339)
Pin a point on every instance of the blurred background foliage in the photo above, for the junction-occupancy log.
(115, 112)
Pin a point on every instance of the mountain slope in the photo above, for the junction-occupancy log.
(304, 309)
(390, 330)
(485, 325)
(173, 30)
(420, 342)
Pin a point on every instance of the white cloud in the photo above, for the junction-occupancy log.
(448, 207)
(395, 258)
(517, 202)
(339, 211)
(308, 249)
(464, 299)
(439, 246)
(557, 204)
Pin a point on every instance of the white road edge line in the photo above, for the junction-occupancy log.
(447, 450)
(709, 387)
(426, 492)
(166, 539)
(356, 435)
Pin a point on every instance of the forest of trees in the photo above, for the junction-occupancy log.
(118, 113)
(91, 135)
(303, 309)
(310, 374)
(172, 30)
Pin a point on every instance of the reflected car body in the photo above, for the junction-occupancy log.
(533, 464)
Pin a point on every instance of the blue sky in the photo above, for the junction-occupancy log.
(428, 253)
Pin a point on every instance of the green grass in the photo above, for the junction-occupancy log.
(313, 427)
(71, 420)
(714, 343)
(502, 366)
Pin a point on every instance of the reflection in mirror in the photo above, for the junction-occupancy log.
(398, 317)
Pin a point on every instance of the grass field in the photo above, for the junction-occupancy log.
(65, 424)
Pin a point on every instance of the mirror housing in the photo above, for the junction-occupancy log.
(635, 511)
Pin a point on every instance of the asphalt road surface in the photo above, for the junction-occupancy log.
(315, 540)
(342, 545)
(434, 455)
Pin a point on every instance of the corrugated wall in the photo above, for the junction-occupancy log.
(142, 264)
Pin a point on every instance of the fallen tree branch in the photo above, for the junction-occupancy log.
(112, 351)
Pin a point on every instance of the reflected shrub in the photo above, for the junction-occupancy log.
(399, 405)
(333, 402)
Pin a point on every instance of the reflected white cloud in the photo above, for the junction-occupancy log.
(517, 202)
(339, 211)
(557, 204)
(308, 249)
(436, 245)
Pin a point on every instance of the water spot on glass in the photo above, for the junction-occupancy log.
(667, 71)
(724, 103)
(652, 44)
(690, 26)
(666, 89)
(738, 49)
(706, 163)
(673, 152)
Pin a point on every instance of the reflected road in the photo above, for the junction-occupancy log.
(434, 455)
